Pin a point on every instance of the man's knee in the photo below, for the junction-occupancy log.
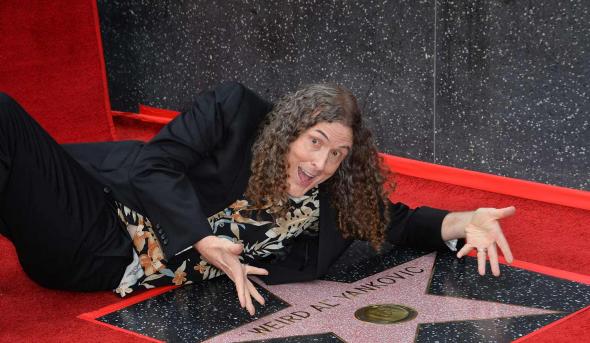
(8, 116)
(4, 230)
(9, 108)
(7, 104)
(6, 99)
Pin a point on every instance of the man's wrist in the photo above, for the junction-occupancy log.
(454, 224)
(203, 242)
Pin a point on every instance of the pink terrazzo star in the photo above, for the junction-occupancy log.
(327, 306)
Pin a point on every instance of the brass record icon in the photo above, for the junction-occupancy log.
(385, 313)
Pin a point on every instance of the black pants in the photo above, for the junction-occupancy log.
(59, 218)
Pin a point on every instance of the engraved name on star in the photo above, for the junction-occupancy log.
(326, 306)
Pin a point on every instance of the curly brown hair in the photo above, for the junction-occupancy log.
(357, 189)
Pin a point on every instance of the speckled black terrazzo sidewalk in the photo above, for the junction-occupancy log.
(487, 309)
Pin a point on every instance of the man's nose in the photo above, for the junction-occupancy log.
(320, 160)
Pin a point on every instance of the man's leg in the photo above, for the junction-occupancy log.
(4, 229)
(60, 220)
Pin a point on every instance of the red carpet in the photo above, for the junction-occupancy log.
(30, 313)
(41, 314)
(51, 61)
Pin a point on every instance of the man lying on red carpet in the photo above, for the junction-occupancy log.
(232, 186)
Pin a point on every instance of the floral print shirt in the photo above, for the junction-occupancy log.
(262, 233)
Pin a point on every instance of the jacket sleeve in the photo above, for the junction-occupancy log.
(159, 174)
(417, 228)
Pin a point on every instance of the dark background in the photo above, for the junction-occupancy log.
(493, 86)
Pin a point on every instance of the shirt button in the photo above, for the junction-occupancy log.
(107, 190)
(163, 235)
(165, 241)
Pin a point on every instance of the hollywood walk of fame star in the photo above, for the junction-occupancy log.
(327, 306)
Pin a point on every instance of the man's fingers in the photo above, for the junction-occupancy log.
(249, 305)
(503, 244)
(241, 297)
(254, 293)
(481, 261)
(495, 266)
(465, 250)
(238, 279)
(236, 249)
(256, 271)
(500, 213)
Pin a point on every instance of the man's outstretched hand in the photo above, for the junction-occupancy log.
(485, 234)
(224, 255)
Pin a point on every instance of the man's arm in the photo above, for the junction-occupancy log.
(429, 228)
(159, 176)
(417, 228)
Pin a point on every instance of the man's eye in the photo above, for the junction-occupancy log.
(315, 141)
(335, 153)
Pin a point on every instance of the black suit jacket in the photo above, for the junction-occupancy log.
(199, 164)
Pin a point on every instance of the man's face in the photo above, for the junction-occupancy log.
(316, 155)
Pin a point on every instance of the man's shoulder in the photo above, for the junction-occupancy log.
(237, 91)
